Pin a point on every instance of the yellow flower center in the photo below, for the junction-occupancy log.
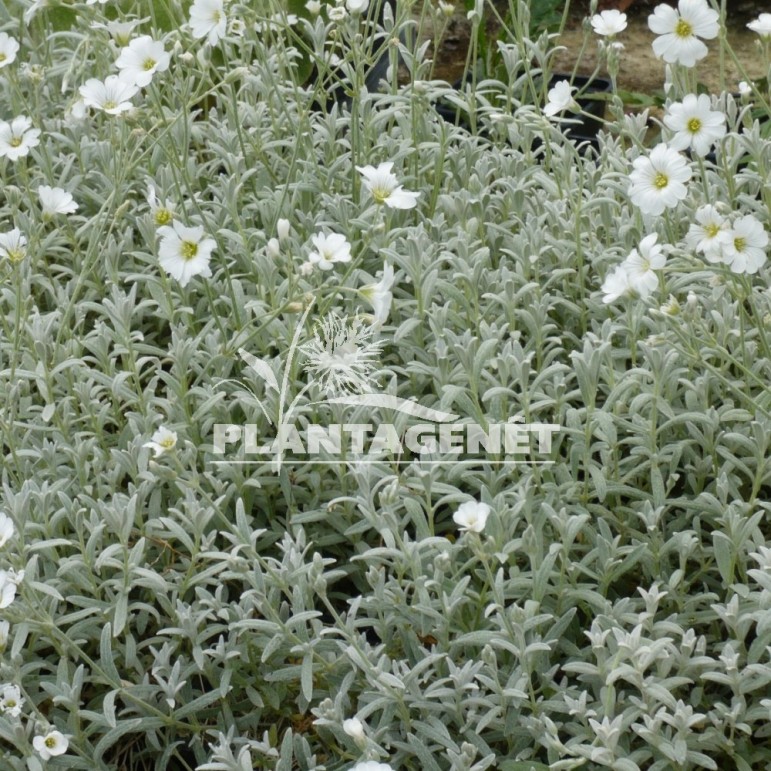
(694, 125)
(660, 181)
(148, 64)
(10, 703)
(16, 255)
(189, 250)
(50, 742)
(683, 28)
(168, 443)
(216, 16)
(380, 195)
(712, 230)
(109, 105)
(740, 243)
(15, 142)
(163, 217)
(3, 57)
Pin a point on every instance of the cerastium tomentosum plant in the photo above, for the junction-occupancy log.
(521, 514)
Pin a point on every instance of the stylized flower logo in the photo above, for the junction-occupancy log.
(342, 355)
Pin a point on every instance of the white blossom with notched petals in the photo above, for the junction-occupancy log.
(472, 516)
(680, 31)
(743, 245)
(642, 263)
(112, 95)
(658, 180)
(609, 23)
(141, 59)
(208, 19)
(385, 188)
(761, 25)
(560, 98)
(616, 285)
(185, 252)
(52, 744)
(11, 700)
(17, 138)
(380, 295)
(55, 200)
(13, 245)
(8, 49)
(329, 249)
(162, 441)
(704, 235)
(695, 123)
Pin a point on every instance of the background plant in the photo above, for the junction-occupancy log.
(175, 613)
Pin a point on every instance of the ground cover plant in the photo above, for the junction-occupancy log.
(219, 240)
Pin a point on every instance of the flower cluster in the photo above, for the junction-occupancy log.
(637, 273)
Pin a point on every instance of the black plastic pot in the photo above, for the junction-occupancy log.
(581, 130)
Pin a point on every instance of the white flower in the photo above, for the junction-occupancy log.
(163, 440)
(472, 515)
(112, 95)
(354, 728)
(6, 528)
(55, 200)
(11, 701)
(163, 213)
(313, 7)
(142, 59)
(658, 180)
(560, 98)
(446, 9)
(616, 285)
(9, 580)
(17, 138)
(356, 6)
(53, 743)
(306, 268)
(704, 234)
(745, 89)
(609, 23)
(273, 248)
(641, 264)
(380, 295)
(762, 25)
(371, 765)
(208, 19)
(744, 245)
(338, 13)
(13, 245)
(282, 229)
(8, 48)
(385, 187)
(119, 31)
(329, 250)
(184, 252)
(695, 124)
(680, 30)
